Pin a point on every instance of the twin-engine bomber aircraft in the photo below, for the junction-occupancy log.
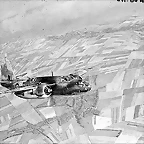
(42, 87)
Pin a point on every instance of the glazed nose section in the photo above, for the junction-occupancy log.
(87, 85)
(89, 88)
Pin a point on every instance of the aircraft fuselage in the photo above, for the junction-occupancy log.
(9, 85)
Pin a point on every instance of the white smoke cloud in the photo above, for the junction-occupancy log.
(51, 13)
(55, 15)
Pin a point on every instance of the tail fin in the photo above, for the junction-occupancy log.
(6, 70)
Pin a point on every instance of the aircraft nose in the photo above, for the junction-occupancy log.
(89, 88)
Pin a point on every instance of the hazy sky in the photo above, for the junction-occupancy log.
(59, 16)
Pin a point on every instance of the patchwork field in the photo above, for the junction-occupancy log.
(111, 59)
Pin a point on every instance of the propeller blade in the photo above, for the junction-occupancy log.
(50, 102)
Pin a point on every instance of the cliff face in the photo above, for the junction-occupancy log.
(110, 57)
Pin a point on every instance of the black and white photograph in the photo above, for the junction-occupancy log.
(71, 71)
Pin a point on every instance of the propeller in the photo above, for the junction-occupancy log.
(50, 102)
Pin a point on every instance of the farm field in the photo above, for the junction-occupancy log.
(111, 60)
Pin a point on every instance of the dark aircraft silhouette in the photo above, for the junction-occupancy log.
(42, 87)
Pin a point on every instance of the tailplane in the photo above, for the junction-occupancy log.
(6, 70)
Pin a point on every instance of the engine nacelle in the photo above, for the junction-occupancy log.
(42, 90)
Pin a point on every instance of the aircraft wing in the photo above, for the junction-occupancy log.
(5, 81)
(51, 84)
(16, 80)
(27, 88)
(23, 89)
(13, 81)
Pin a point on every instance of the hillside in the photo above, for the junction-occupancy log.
(110, 57)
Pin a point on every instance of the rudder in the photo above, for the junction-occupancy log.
(6, 70)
